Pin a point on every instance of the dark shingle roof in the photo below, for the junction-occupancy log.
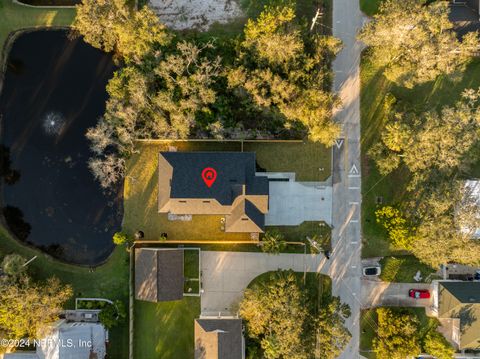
(464, 292)
(218, 339)
(233, 170)
(158, 274)
(254, 214)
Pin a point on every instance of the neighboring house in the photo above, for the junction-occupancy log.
(219, 339)
(69, 341)
(472, 191)
(159, 274)
(460, 303)
(236, 193)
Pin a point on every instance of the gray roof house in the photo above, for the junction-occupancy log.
(88, 339)
(237, 193)
(219, 339)
(460, 301)
(159, 274)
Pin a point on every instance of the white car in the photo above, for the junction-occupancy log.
(373, 270)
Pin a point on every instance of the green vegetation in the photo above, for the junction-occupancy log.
(310, 161)
(28, 307)
(402, 269)
(191, 270)
(165, 329)
(277, 330)
(273, 242)
(417, 48)
(370, 7)
(272, 81)
(106, 281)
(376, 103)
(14, 17)
(317, 231)
(406, 328)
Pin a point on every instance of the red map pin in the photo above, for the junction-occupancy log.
(209, 176)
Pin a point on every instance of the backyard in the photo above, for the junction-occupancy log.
(141, 186)
(165, 330)
(391, 189)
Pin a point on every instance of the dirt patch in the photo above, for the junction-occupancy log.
(195, 14)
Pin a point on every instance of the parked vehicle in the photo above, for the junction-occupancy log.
(476, 276)
(373, 270)
(419, 293)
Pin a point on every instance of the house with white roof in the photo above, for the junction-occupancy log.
(69, 341)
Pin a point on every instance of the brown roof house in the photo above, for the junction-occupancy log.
(219, 339)
(460, 302)
(159, 274)
(236, 192)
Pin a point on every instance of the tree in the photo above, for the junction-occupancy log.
(332, 334)
(417, 47)
(430, 140)
(120, 238)
(273, 242)
(436, 345)
(112, 314)
(97, 21)
(14, 265)
(397, 334)
(111, 25)
(285, 70)
(275, 316)
(108, 170)
(399, 232)
(26, 307)
(163, 103)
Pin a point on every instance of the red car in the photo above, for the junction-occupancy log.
(419, 293)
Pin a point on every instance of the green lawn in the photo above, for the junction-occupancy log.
(309, 228)
(403, 269)
(191, 271)
(165, 330)
(310, 161)
(108, 281)
(14, 17)
(369, 7)
(391, 189)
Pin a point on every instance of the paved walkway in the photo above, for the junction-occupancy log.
(291, 203)
(345, 268)
(225, 275)
(377, 294)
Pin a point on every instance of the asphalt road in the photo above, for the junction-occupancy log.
(345, 264)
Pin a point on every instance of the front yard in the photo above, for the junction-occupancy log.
(403, 268)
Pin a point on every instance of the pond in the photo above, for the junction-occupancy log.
(54, 90)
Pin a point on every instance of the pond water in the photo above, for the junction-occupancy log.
(54, 90)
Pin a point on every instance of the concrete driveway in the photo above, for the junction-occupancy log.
(225, 275)
(377, 294)
(292, 203)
